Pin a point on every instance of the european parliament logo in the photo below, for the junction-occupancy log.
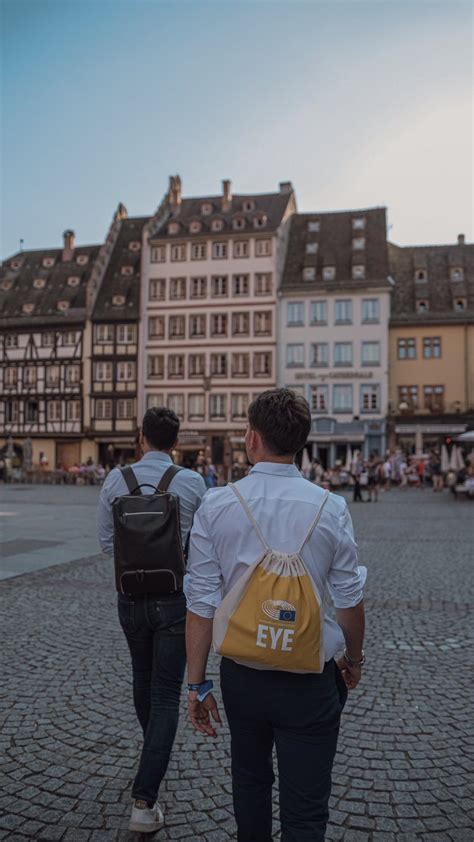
(278, 609)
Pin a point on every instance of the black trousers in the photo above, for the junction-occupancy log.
(300, 715)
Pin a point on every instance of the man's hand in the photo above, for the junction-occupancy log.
(200, 714)
(351, 675)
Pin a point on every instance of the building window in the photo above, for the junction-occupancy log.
(434, 398)
(370, 398)
(342, 353)
(239, 407)
(219, 324)
(319, 354)
(309, 273)
(319, 398)
(126, 334)
(158, 254)
(196, 407)
(240, 365)
(241, 248)
(103, 372)
(406, 349)
(263, 248)
(29, 375)
(217, 225)
(421, 275)
(196, 365)
(134, 245)
(219, 286)
(370, 353)
(28, 308)
(408, 395)
(47, 340)
(219, 251)
(263, 324)
(127, 271)
(176, 365)
(248, 205)
(54, 410)
(422, 306)
(11, 412)
(294, 356)
(311, 248)
(432, 347)
(103, 410)
(217, 407)
(126, 371)
(118, 300)
(263, 283)
(370, 310)
(173, 228)
(240, 324)
(156, 327)
(342, 398)
(48, 262)
(198, 251)
(358, 223)
(295, 314)
(329, 273)
(11, 340)
(157, 289)
(198, 288)
(103, 333)
(259, 221)
(177, 327)
(53, 374)
(155, 365)
(10, 377)
(238, 223)
(319, 313)
(219, 365)
(240, 285)
(195, 226)
(197, 326)
(456, 274)
(82, 259)
(73, 410)
(73, 375)
(63, 305)
(206, 209)
(176, 404)
(31, 412)
(177, 289)
(125, 409)
(313, 226)
(343, 311)
(39, 283)
(358, 243)
(74, 280)
(178, 252)
(460, 304)
(156, 399)
(358, 272)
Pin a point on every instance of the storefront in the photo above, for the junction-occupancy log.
(420, 435)
(331, 439)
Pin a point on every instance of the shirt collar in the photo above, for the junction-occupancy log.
(159, 455)
(279, 468)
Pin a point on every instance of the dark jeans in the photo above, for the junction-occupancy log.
(154, 628)
(357, 492)
(300, 714)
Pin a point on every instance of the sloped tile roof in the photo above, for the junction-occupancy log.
(114, 282)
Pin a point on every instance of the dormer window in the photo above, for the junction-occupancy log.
(358, 223)
(6, 285)
(422, 305)
(313, 226)
(358, 243)
(63, 305)
(358, 272)
(127, 271)
(206, 209)
(248, 205)
(309, 273)
(134, 245)
(238, 223)
(460, 304)
(48, 262)
(421, 275)
(82, 259)
(118, 300)
(39, 283)
(217, 225)
(173, 228)
(73, 281)
(260, 221)
(195, 227)
(16, 264)
(456, 274)
(311, 248)
(329, 273)
(28, 308)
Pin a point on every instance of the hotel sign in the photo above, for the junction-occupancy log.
(334, 375)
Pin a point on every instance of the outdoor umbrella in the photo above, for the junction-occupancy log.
(460, 459)
(444, 459)
(469, 436)
(453, 459)
(348, 465)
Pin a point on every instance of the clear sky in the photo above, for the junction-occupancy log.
(357, 103)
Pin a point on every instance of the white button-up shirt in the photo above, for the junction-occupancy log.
(224, 543)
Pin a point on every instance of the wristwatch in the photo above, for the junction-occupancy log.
(203, 689)
(351, 662)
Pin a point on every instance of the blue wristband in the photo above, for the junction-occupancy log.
(203, 689)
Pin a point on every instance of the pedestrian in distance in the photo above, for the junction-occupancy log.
(356, 471)
(280, 682)
(144, 518)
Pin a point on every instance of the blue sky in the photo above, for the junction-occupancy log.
(357, 103)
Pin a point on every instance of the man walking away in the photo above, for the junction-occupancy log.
(154, 624)
(299, 713)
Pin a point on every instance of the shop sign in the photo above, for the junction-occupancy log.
(443, 429)
(334, 375)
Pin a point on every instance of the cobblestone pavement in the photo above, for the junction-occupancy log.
(69, 740)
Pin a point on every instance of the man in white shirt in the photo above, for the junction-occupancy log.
(299, 713)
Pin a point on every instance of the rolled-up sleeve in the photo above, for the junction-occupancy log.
(344, 577)
(203, 580)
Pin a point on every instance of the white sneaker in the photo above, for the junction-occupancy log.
(146, 819)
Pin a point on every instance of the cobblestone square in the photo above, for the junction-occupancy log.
(69, 739)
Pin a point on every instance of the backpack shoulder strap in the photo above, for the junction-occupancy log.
(249, 514)
(130, 479)
(314, 523)
(168, 475)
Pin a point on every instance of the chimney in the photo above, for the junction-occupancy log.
(69, 239)
(461, 239)
(175, 192)
(226, 195)
(286, 187)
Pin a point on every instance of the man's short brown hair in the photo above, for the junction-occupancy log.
(282, 418)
